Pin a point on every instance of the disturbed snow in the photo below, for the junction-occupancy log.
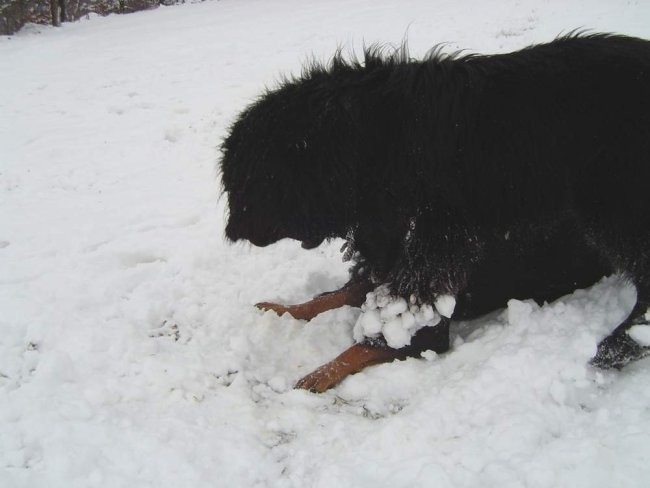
(130, 352)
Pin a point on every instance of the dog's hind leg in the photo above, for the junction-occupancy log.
(371, 352)
(353, 293)
(631, 251)
(613, 205)
(619, 348)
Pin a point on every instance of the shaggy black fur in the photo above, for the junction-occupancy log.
(520, 174)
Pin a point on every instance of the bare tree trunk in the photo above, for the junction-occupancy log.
(54, 12)
(63, 15)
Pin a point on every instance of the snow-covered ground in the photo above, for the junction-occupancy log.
(130, 353)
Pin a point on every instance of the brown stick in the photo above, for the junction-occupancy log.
(350, 361)
(352, 294)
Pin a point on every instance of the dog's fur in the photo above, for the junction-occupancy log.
(470, 175)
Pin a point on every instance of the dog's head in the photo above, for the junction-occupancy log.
(286, 167)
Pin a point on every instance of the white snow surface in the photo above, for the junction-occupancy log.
(130, 352)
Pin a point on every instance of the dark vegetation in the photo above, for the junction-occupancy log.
(16, 13)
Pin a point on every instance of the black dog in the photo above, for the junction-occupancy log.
(484, 177)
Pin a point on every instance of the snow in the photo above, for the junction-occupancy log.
(641, 334)
(130, 352)
(445, 305)
(395, 319)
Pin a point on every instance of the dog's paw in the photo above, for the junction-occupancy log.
(617, 350)
(323, 378)
(274, 307)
